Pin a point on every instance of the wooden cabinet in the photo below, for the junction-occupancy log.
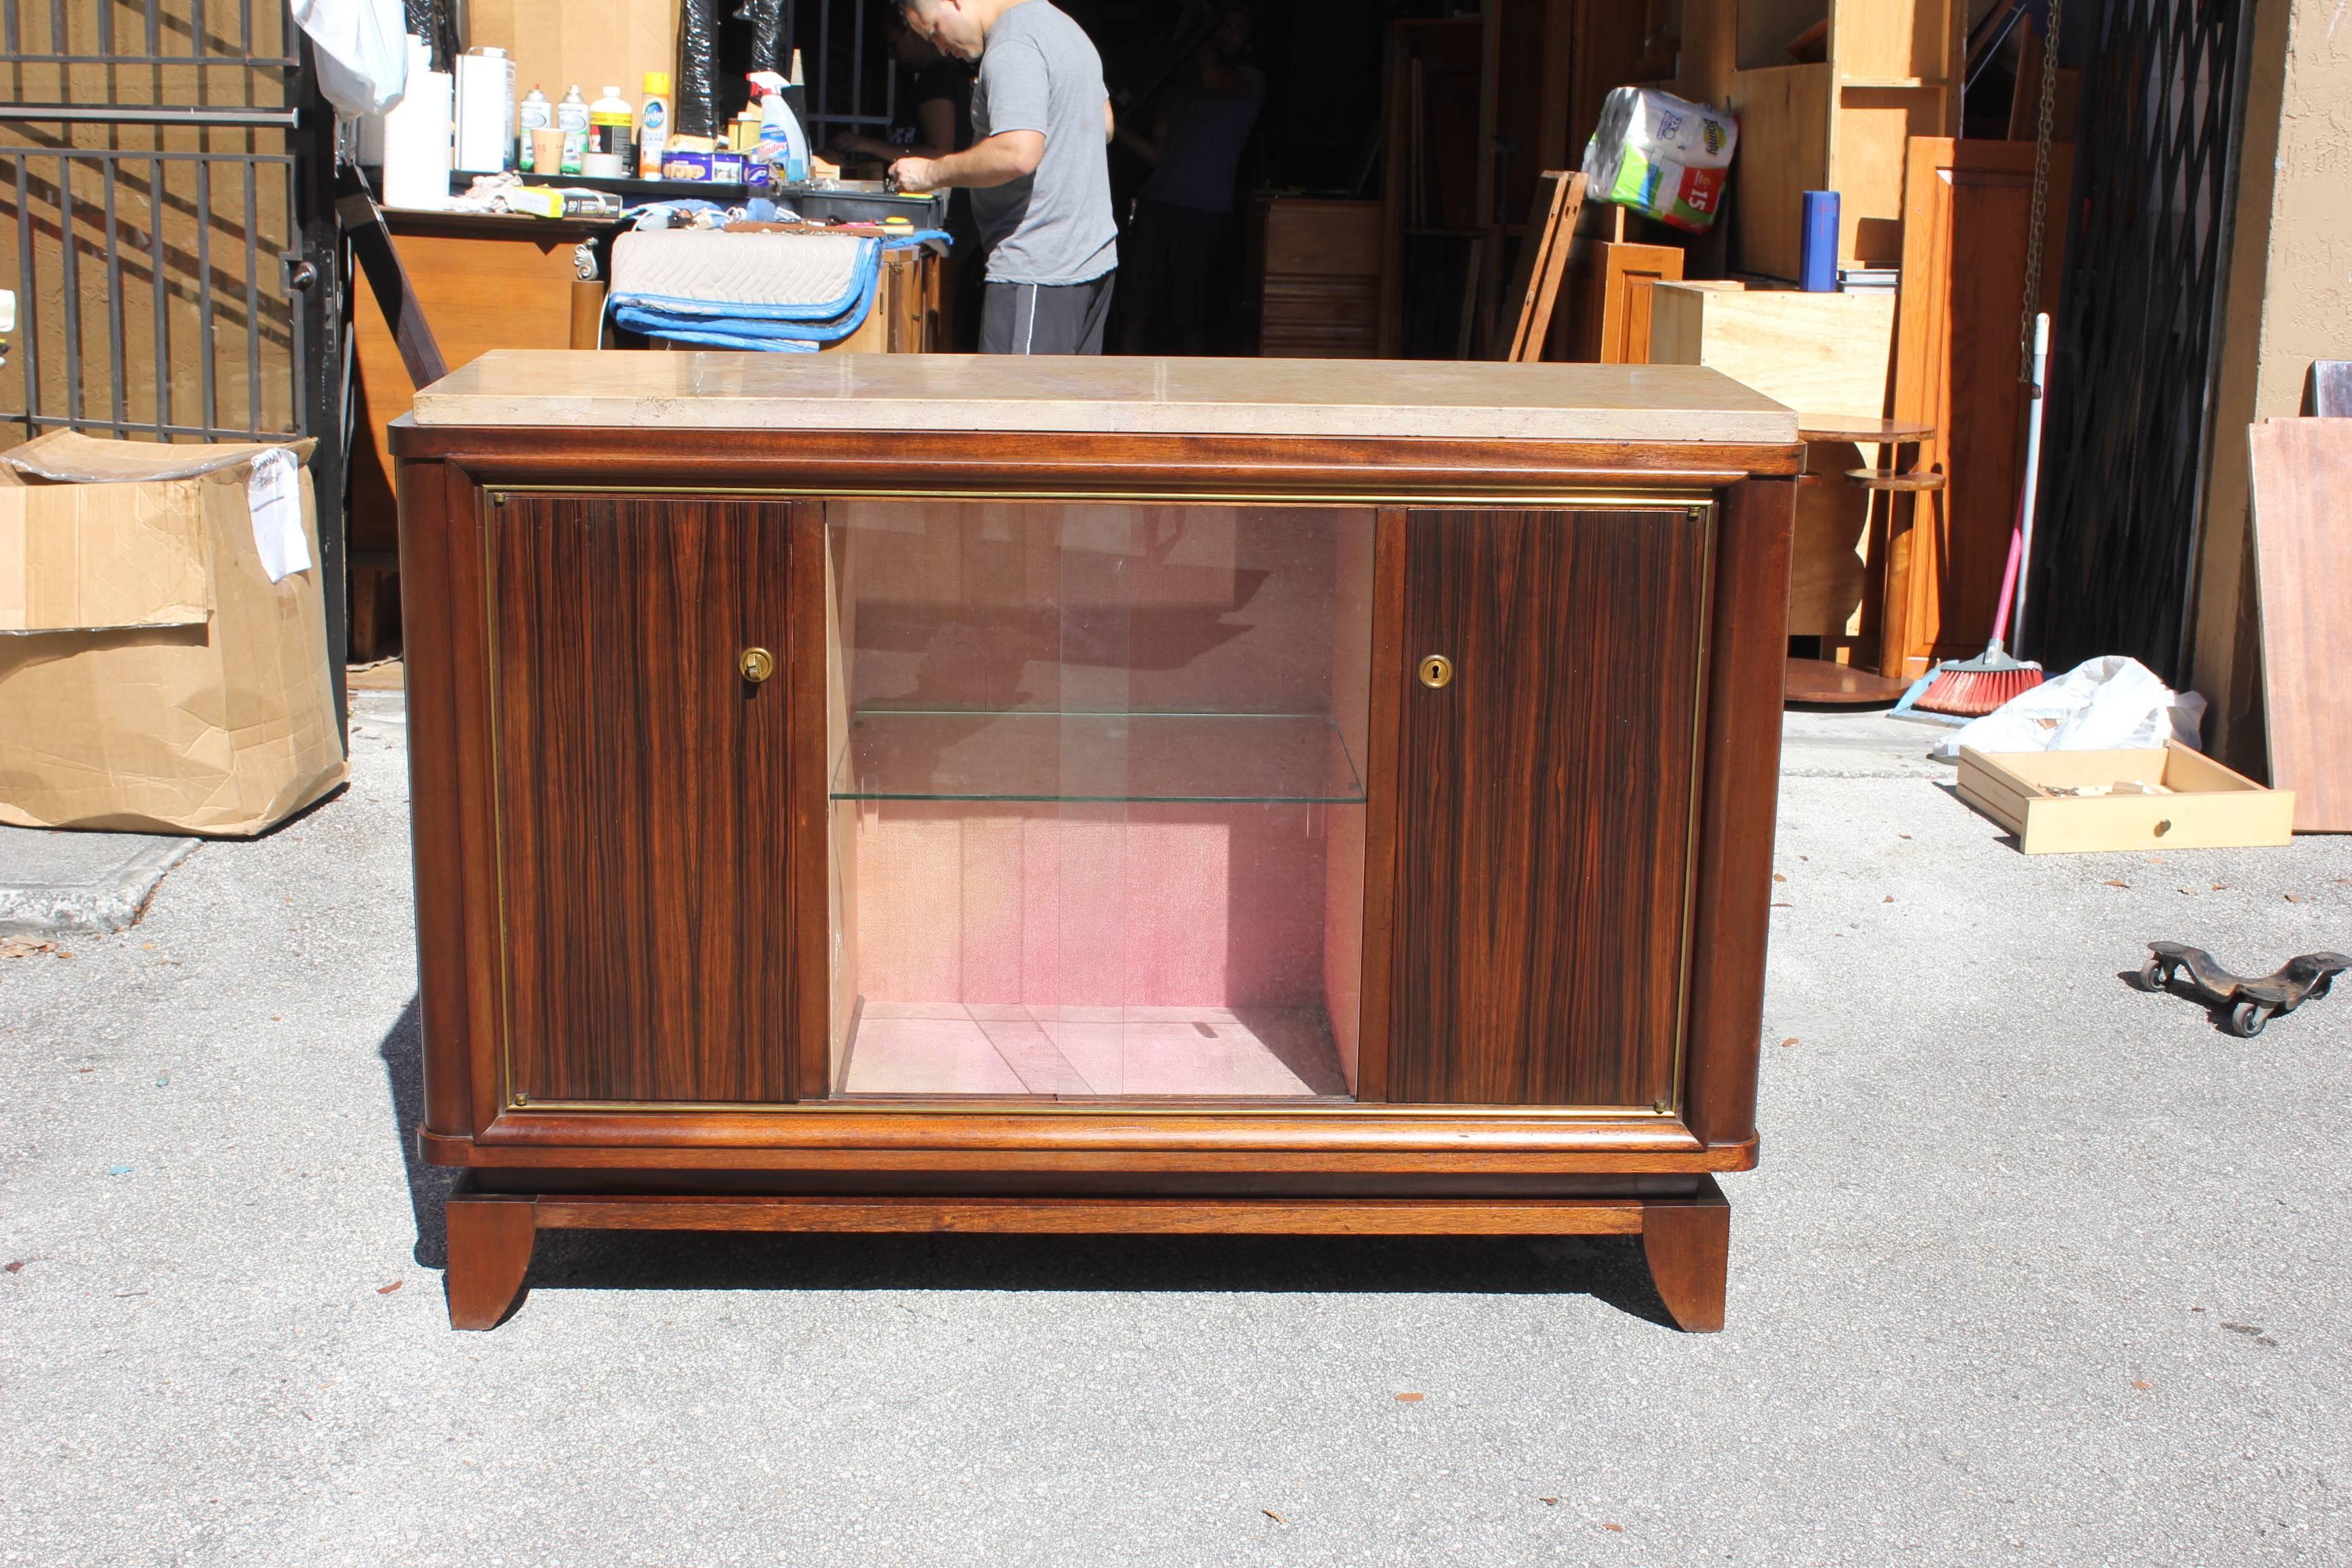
(1318, 266)
(1131, 796)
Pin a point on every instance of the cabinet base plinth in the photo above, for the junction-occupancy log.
(1686, 1239)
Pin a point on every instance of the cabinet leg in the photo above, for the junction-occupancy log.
(491, 1240)
(1688, 1242)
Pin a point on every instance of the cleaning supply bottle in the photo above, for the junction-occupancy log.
(783, 145)
(653, 125)
(609, 156)
(536, 114)
(572, 119)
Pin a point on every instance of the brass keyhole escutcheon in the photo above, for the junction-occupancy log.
(1436, 670)
(757, 664)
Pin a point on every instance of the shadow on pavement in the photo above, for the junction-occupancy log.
(1609, 1269)
(402, 1051)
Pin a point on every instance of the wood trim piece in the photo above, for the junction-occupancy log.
(1264, 1172)
(1730, 919)
(1380, 819)
(810, 818)
(1127, 1216)
(473, 766)
(436, 799)
(994, 462)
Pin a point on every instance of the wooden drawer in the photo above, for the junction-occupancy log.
(2204, 807)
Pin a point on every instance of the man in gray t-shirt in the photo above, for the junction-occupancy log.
(1038, 170)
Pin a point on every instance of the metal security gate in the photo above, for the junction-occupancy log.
(166, 173)
(2130, 429)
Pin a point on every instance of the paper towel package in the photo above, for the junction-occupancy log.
(153, 678)
(1661, 155)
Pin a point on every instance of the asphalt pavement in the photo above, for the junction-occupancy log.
(2037, 1269)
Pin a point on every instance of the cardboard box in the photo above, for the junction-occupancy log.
(152, 678)
(2173, 799)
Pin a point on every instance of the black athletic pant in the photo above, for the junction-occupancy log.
(1046, 318)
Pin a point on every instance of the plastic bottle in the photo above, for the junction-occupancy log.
(610, 154)
(536, 114)
(783, 145)
(653, 125)
(572, 119)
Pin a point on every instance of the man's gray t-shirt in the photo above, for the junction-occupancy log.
(1040, 72)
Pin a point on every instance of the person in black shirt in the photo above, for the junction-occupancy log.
(934, 114)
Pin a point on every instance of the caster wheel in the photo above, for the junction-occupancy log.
(2247, 1018)
(2155, 976)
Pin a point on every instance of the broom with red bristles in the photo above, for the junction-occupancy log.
(1967, 687)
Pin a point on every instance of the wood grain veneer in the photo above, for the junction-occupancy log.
(641, 798)
(1544, 834)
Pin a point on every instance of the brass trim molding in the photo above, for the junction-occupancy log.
(1673, 498)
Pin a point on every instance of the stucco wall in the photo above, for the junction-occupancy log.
(2290, 303)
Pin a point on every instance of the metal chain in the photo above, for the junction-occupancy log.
(2032, 301)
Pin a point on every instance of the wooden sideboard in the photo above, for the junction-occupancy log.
(1092, 795)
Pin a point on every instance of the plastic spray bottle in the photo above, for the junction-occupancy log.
(536, 114)
(783, 144)
(653, 125)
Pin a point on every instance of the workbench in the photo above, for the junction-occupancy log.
(1092, 795)
(487, 281)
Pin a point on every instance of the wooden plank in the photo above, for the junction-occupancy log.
(1073, 1215)
(1886, 40)
(1869, 143)
(1967, 210)
(2303, 548)
(1542, 261)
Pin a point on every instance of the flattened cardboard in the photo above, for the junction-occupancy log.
(152, 677)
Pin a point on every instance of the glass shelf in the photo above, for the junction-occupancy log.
(1174, 758)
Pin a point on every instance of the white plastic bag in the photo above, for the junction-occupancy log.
(2110, 704)
(1661, 155)
(362, 51)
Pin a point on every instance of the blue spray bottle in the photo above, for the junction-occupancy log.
(783, 144)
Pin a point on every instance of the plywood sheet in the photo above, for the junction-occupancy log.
(1824, 355)
(1784, 151)
(2303, 545)
(587, 44)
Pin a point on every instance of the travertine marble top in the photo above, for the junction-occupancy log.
(1139, 397)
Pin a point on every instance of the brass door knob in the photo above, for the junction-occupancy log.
(1436, 670)
(757, 664)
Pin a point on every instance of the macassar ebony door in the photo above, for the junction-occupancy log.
(1546, 769)
(641, 749)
